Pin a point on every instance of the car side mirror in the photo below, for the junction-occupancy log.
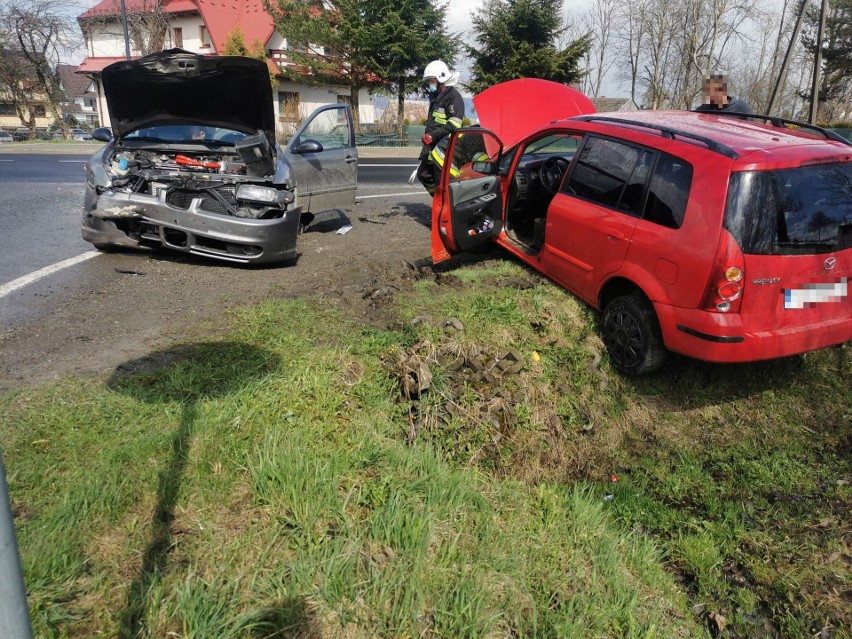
(103, 134)
(486, 168)
(308, 146)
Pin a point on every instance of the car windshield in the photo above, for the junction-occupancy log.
(793, 211)
(182, 133)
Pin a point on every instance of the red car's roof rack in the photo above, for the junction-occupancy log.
(666, 131)
(787, 124)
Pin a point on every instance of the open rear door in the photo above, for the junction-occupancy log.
(467, 209)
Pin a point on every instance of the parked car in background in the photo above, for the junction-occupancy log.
(80, 135)
(6, 137)
(704, 234)
(192, 163)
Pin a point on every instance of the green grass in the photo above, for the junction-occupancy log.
(279, 484)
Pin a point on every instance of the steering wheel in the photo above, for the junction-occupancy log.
(551, 173)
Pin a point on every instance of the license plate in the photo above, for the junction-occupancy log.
(817, 293)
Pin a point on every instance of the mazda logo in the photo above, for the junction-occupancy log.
(830, 263)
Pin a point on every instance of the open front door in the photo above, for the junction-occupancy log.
(324, 160)
(467, 210)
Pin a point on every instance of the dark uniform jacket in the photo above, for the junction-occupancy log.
(445, 114)
(734, 105)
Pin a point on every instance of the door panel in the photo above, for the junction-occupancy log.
(585, 242)
(590, 223)
(325, 179)
(467, 210)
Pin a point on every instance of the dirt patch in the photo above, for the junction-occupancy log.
(120, 306)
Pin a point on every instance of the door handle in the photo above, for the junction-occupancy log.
(350, 160)
(615, 234)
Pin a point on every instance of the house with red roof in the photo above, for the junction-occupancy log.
(202, 26)
(80, 96)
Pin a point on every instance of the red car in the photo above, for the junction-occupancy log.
(724, 239)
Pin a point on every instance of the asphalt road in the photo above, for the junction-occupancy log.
(66, 309)
(43, 195)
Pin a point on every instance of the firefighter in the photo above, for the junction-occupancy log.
(446, 110)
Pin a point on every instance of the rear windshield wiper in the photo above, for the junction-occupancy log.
(831, 242)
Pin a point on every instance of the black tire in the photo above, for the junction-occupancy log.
(632, 335)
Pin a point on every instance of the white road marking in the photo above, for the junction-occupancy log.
(21, 282)
(72, 161)
(375, 165)
(7, 160)
(370, 197)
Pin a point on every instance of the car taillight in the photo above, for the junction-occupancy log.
(727, 279)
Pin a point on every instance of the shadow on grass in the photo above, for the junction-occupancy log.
(292, 617)
(185, 376)
(684, 383)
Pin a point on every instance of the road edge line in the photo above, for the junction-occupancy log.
(21, 282)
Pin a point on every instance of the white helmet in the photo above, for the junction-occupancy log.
(439, 70)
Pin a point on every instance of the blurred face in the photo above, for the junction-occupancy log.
(715, 92)
(432, 84)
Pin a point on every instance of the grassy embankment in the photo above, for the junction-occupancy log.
(299, 479)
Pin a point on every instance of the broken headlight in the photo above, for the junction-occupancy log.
(264, 195)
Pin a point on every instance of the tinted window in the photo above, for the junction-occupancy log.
(631, 198)
(794, 211)
(602, 170)
(668, 192)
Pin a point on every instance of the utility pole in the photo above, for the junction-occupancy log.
(823, 12)
(14, 613)
(126, 36)
(782, 74)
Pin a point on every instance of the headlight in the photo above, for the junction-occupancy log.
(264, 194)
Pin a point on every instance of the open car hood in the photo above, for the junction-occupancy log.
(515, 108)
(179, 87)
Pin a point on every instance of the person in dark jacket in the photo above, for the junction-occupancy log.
(716, 96)
(446, 111)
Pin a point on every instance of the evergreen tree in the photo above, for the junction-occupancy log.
(517, 39)
(235, 44)
(330, 41)
(413, 34)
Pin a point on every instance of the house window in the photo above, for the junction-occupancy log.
(288, 106)
(40, 111)
(344, 99)
(178, 36)
(89, 103)
(205, 37)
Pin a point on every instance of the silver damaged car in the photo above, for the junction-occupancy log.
(192, 163)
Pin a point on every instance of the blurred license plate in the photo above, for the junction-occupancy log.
(818, 293)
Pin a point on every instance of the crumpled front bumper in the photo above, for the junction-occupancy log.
(136, 220)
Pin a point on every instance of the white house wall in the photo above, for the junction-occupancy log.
(191, 28)
(106, 42)
(276, 42)
(313, 97)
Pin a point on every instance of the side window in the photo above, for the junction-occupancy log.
(668, 192)
(603, 169)
(631, 198)
(475, 154)
(330, 128)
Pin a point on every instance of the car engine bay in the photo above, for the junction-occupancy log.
(222, 182)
